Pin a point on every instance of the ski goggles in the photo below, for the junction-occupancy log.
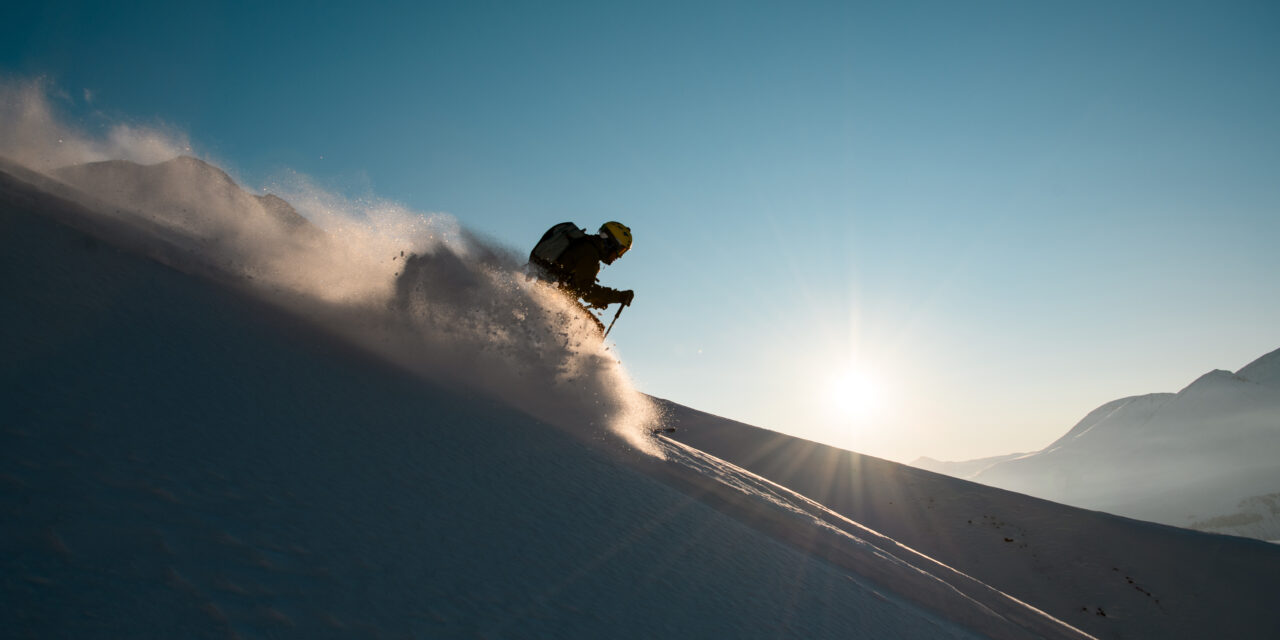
(615, 248)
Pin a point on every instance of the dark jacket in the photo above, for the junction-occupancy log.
(576, 270)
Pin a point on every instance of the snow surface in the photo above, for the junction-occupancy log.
(216, 425)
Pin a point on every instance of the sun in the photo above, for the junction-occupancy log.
(855, 393)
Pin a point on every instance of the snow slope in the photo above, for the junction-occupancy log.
(181, 458)
(322, 465)
(1202, 458)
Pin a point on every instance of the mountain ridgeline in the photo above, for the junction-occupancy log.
(1202, 458)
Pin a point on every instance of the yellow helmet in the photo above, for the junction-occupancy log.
(619, 233)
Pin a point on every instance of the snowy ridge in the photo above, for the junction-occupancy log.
(1264, 370)
(1135, 410)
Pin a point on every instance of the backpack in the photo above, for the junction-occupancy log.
(554, 242)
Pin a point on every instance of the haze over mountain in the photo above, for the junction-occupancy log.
(1202, 458)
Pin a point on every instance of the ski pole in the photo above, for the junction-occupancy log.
(615, 319)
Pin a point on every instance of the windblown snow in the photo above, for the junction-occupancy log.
(417, 288)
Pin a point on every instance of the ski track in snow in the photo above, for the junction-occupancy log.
(860, 539)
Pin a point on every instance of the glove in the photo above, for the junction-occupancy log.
(626, 297)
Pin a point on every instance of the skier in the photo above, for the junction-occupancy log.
(569, 258)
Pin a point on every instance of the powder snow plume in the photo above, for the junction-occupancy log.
(419, 290)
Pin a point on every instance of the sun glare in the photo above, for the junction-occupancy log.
(855, 394)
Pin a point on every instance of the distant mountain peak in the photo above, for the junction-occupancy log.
(1264, 370)
(1213, 379)
(1128, 410)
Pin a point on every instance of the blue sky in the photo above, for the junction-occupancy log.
(998, 214)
